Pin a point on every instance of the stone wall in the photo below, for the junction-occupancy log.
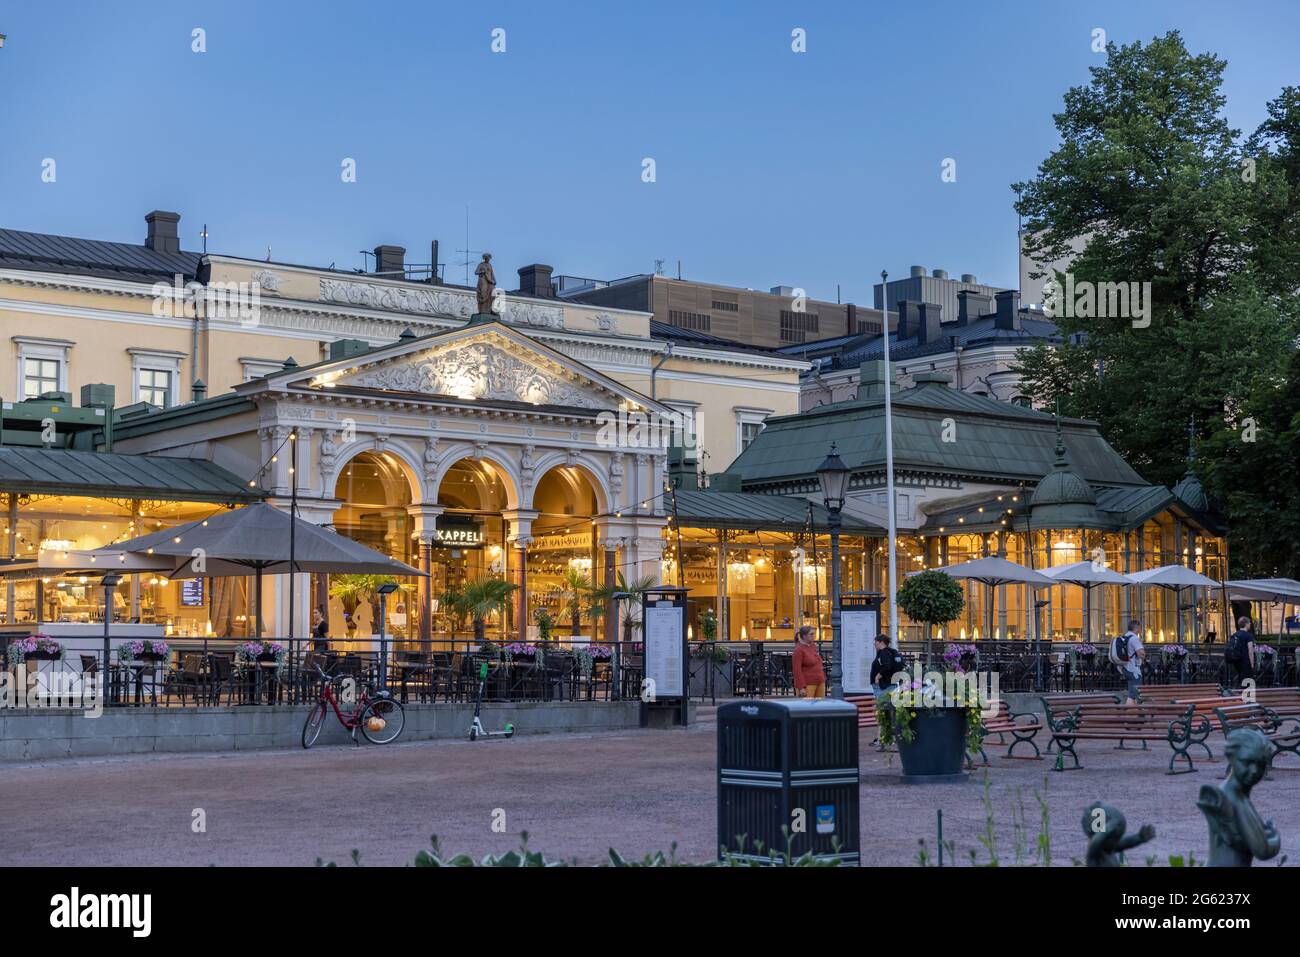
(41, 734)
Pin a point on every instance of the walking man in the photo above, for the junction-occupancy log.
(1239, 655)
(1126, 654)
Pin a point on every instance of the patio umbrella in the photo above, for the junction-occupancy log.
(1175, 578)
(1087, 576)
(254, 539)
(994, 571)
(1283, 591)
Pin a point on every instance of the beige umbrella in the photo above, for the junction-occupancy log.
(1087, 576)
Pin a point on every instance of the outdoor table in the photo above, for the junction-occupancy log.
(261, 674)
(133, 672)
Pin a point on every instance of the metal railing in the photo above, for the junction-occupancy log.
(445, 670)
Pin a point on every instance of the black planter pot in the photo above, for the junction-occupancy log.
(937, 751)
(45, 656)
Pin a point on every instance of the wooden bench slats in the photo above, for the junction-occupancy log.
(1177, 724)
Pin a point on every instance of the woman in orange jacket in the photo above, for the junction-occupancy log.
(809, 675)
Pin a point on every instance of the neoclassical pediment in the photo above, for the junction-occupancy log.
(489, 369)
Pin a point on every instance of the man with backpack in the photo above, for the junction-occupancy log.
(1126, 654)
(1239, 655)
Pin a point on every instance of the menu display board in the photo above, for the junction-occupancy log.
(858, 630)
(192, 592)
(665, 645)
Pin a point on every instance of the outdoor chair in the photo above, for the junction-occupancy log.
(221, 671)
(189, 679)
(557, 676)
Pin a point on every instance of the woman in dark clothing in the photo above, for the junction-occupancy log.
(320, 631)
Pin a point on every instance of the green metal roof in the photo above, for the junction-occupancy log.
(991, 440)
(1117, 509)
(705, 508)
(116, 475)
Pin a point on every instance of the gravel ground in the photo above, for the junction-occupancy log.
(576, 795)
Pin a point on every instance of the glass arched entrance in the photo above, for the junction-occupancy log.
(375, 489)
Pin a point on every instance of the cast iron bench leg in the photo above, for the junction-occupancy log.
(1064, 746)
(1020, 738)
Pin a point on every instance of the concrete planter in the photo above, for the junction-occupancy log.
(937, 751)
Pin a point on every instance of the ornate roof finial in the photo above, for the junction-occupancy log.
(1191, 443)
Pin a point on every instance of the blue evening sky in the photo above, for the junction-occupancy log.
(772, 167)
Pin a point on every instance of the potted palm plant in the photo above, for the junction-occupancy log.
(481, 597)
(576, 598)
(932, 728)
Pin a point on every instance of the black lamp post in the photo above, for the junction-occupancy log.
(386, 589)
(833, 475)
(110, 583)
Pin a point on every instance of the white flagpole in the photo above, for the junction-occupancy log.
(889, 463)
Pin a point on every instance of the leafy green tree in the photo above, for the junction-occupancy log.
(932, 597)
(1253, 469)
(1156, 186)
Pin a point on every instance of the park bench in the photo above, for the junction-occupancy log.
(1284, 701)
(866, 705)
(1023, 726)
(1176, 724)
(1056, 706)
(1169, 694)
(1264, 720)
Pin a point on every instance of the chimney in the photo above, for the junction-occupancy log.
(971, 305)
(871, 379)
(928, 325)
(1008, 310)
(162, 237)
(390, 261)
(908, 321)
(200, 390)
(535, 280)
(940, 274)
(433, 264)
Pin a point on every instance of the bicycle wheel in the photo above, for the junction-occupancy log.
(390, 717)
(315, 721)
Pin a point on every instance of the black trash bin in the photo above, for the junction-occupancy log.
(776, 757)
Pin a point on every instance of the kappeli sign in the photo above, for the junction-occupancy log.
(460, 536)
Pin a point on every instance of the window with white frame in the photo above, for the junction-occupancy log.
(749, 422)
(155, 386)
(157, 375)
(42, 365)
(40, 376)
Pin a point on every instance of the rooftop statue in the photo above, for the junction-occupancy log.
(487, 284)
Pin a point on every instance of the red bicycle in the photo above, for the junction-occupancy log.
(380, 718)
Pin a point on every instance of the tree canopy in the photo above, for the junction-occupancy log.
(1150, 184)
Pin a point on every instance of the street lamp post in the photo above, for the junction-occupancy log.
(386, 589)
(110, 583)
(833, 475)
